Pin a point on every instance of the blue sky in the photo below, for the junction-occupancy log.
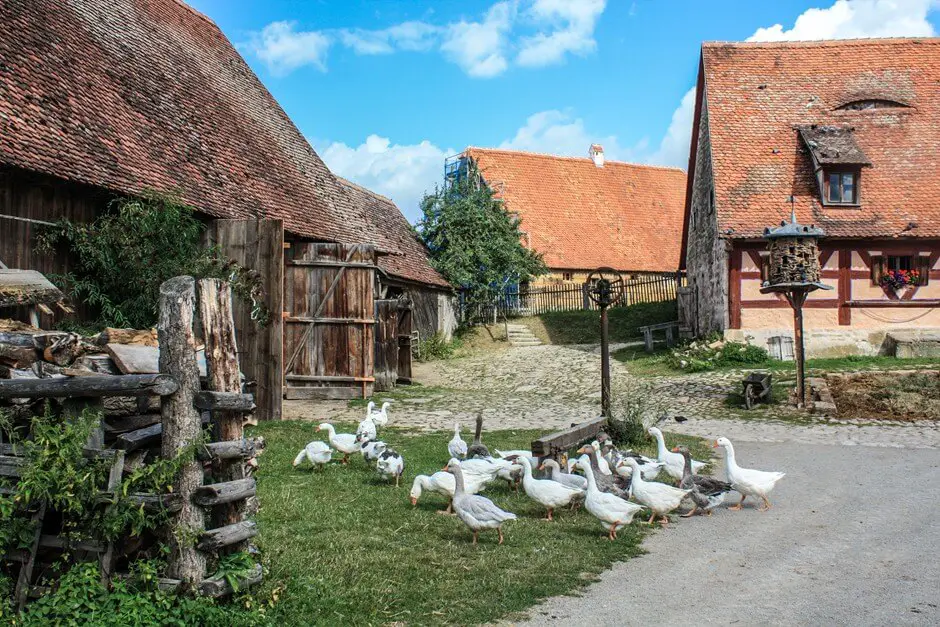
(385, 89)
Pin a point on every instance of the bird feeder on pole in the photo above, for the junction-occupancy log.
(795, 272)
(605, 289)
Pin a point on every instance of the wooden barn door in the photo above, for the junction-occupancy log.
(329, 320)
(386, 344)
(405, 328)
(259, 245)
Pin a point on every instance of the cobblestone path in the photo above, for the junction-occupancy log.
(551, 387)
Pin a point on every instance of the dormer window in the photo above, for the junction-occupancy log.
(867, 105)
(841, 187)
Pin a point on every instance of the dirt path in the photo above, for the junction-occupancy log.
(852, 540)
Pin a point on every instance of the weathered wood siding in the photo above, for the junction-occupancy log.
(405, 318)
(259, 245)
(329, 329)
(386, 344)
(433, 312)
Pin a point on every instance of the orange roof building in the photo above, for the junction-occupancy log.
(847, 135)
(585, 213)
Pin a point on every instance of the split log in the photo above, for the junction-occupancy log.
(181, 423)
(225, 401)
(233, 449)
(111, 335)
(218, 587)
(229, 535)
(218, 326)
(158, 502)
(125, 385)
(123, 424)
(141, 438)
(225, 492)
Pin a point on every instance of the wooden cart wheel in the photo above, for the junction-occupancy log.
(750, 396)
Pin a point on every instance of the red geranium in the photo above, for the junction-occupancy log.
(898, 279)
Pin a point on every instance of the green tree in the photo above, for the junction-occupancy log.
(474, 242)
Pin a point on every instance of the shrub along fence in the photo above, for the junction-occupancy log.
(137, 422)
(538, 300)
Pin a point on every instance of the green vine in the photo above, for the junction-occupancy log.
(122, 257)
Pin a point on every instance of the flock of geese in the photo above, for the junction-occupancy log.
(613, 484)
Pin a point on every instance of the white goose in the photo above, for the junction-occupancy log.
(613, 511)
(366, 430)
(379, 417)
(660, 498)
(345, 443)
(575, 482)
(747, 481)
(316, 452)
(547, 493)
(457, 447)
(602, 463)
(477, 512)
(650, 469)
(440, 482)
(674, 462)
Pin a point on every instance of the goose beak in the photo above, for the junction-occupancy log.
(715, 445)
(541, 467)
(444, 468)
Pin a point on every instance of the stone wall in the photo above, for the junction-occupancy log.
(706, 255)
(831, 342)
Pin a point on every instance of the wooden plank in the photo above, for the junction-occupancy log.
(245, 448)
(845, 286)
(94, 386)
(133, 440)
(323, 263)
(224, 401)
(323, 320)
(329, 378)
(734, 289)
(563, 440)
(236, 533)
(58, 542)
(224, 492)
(123, 424)
(141, 359)
(24, 579)
(320, 393)
(26, 287)
(258, 245)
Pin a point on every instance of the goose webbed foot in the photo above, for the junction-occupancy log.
(739, 506)
(689, 513)
(765, 506)
(475, 533)
(499, 530)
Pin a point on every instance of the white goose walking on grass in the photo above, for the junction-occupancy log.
(457, 447)
(317, 453)
(674, 462)
(613, 511)
(547, 493)
(660, 498)
(747, 481)
(477, 512)
(345, 443)
(441, 482)
(378, 416)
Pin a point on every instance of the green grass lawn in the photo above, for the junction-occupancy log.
(655, 364)
(583, 327)
(346, 548)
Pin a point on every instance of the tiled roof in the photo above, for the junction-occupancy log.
(758, 95)
(131, 95)
(392, 232)
(622, 215)
(833, 145)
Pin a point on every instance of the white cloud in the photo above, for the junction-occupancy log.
(404, 173)
(284, 49)
(571, 30)
(849, 19)
(558, 133)
(845, 19)
(532, 33)
(479, 47)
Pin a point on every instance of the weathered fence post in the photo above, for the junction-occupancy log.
(218, 327)
(182, 424)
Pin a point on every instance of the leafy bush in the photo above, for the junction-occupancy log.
(123, 256)
(699, 356)
(80, 599)
(437, 347)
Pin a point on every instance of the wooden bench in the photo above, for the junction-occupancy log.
(668, 327)
(563, 440)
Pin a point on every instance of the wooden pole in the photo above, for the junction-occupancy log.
(605, 365)
(218, 327)
(181, 424)
(797, 297)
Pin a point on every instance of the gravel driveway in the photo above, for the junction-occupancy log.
(852, 539)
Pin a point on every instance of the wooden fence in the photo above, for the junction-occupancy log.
(536, 301)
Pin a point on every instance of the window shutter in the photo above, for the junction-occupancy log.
(923, 268)
(877, 269)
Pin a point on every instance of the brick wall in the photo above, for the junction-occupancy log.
(706, 256)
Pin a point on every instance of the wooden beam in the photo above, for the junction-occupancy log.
(890, 304)
(123, 424)
(245, 448)
(226, 536)
(225, 492)
(304, 320)
(323, 263)
(329, 378)
(845, 286)
(133, 440)
(182, 426)
(224, 401)
(94, 386)
(812, 303)
(320, 393)
(563, 440)
(216, 587)
(734, 290)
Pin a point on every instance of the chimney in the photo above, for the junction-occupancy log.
(597, 154)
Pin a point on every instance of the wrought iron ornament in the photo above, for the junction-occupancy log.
(606, 287)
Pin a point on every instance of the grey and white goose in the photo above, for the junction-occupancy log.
(478, 450)
(707, 492)
(612, 484)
